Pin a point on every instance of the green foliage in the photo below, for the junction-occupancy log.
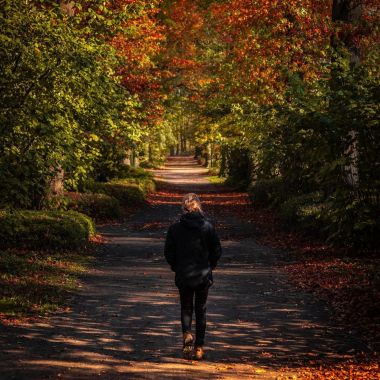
(131, 185)
(123, 190)
(238, 166)
(55, 202)
(216, 180)
(320, 135)
(134, 173)
(97, 206)
(61, 104)
(150, 165)
(354, 220)
(44, 229)
(305, 211)
(137, 176)
(268, 192)
(126, 191)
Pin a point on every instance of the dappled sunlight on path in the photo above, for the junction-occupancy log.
(124, 324)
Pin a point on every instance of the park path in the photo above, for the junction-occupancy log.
(124, 322)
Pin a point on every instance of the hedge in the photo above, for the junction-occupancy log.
(98, 206)
(268, 192)
(306, 211)
(136, 173)
(124, 192)
(130, 190)
(356, 224)
(44, 229)
(138, 176)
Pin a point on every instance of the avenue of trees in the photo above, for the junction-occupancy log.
(282, 98)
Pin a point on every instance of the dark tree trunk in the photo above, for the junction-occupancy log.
(347, 11)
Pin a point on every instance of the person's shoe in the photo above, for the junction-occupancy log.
(198, 353)
(187, 345)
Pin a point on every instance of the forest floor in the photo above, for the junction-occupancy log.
(124, 322)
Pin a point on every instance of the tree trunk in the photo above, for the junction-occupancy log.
(348, 12)
(56, 185)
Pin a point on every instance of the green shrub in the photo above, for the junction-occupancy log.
(44, 229)
(147, 185)
(306, 211)
(123, 190)
(131, 172)
(237, 162)
(354, 221)
(138, 176)
(127, 190)
(148, 165)
(98, 206)
(268, 192)
(55, 202)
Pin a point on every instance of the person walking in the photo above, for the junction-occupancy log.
(192, 249)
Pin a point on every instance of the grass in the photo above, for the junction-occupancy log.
(33, 283)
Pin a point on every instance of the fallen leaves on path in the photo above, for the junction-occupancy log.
(349, 284)
(351, 370)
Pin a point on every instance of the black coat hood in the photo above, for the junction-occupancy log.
(192, 220)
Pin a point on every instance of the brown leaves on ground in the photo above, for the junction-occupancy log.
(344, 281)
(349, 282)
(343, 371)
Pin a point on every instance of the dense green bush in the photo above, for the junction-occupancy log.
(44, 229)
(237, 166)
(268, 192)
(130, 185)
(148, 165)
(138, 176)
(306, 211)
(354, 221)
(123, 190)
(132, 172)
(98, 206)
(147, 185)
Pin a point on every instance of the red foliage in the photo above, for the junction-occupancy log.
(139, 45)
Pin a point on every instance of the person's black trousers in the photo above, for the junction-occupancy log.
(187, 296)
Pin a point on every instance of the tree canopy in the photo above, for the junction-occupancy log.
(259, 90)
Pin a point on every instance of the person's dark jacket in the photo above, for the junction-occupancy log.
(192, 249)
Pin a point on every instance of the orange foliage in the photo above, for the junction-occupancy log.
(268, 40)
(185, 28)
(139, 44)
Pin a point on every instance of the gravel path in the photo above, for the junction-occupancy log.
(124, 323)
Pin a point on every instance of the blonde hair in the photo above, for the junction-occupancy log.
(191, 203)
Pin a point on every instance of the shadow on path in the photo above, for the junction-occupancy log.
(124, 323)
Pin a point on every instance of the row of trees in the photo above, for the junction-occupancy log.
(80, 93)
(285, 96)
(285, 92)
